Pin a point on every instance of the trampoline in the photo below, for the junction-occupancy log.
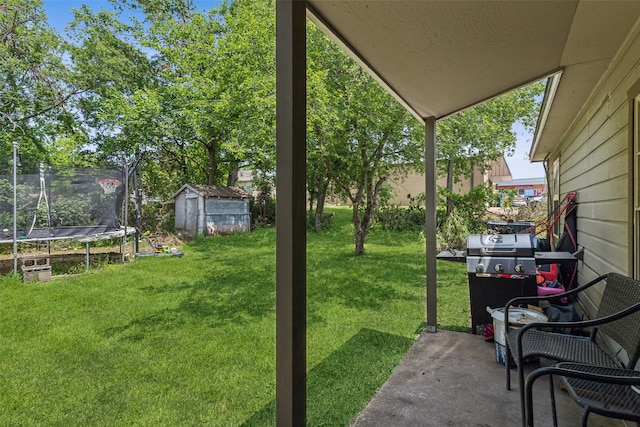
(80, 204)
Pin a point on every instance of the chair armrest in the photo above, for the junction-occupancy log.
(553, 297)
(586, 372)
(582, 323)
(549, 298)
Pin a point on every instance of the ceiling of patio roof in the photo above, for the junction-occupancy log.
(440, 57)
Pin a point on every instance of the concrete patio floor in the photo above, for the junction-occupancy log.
(452, 379)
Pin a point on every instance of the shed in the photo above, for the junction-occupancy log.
(211, 209)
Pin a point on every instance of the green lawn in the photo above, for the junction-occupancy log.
(191, 341)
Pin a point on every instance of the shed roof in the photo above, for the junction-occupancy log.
(220, 191)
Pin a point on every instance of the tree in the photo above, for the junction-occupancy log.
(35, 83)
(323, 120)
(192, 92)
(366, 139)
(476, 137)
(217, 74)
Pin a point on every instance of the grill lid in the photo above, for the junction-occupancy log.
(503, 245)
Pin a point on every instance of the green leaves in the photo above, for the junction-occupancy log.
(482, 134)
(34, 80)
(358, 135)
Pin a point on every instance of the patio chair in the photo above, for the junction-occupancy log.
(611, 392)
(617, 320)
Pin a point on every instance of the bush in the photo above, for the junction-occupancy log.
(453, 233)
(156, 218)
(326, 223)
(470, 207)
(401, 218)
(74, 210)
(263, 211)
(263, 206)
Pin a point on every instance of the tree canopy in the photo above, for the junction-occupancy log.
(359, 135)
(35, 82)
(190, 95)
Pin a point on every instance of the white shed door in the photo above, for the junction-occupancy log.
(191, 216)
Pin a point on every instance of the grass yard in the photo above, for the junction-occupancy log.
(191, 341)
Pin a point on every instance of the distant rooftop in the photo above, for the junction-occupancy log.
(523, 181)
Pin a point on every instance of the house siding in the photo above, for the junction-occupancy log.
(595, 163)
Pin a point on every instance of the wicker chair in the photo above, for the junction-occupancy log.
(617, 319)
(612, 392)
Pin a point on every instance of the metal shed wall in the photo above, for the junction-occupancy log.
(227, 215)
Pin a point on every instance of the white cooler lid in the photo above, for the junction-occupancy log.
(519, 316)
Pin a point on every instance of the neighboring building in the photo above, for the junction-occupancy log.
(211, 209)
(527, 188)
(245, 182)
(413, 184)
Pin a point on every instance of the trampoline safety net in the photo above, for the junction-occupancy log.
(61, 203)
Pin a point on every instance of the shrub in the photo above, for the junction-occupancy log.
(470, 206)
(74, 210)
(453, 233)
(263, 211)
(401, 218)
(326, 223)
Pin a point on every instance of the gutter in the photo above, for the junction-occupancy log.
(549, 95)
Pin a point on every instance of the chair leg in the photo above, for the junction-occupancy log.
(552, 394)
(507, 364)
(521, 387)
(528, 387)
(527, 415)
(585, 416)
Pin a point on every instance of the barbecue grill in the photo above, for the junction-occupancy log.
(511, 254)
(501, 267)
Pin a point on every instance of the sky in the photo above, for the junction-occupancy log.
(59, 11)
(59, 14)
(519, 163)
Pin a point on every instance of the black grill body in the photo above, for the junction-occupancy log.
(500, 267)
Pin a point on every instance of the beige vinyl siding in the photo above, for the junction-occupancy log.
(595, 163)
(413, 183)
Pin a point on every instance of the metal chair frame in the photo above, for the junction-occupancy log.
(600, 390)
(617, 318)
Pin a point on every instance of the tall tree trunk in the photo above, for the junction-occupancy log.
(358, 230)
(212, 152)
(311, 202)
(360, 238)
(449, 186)
(322, 196)
(232, 179)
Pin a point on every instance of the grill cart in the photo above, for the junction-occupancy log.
(501, 267)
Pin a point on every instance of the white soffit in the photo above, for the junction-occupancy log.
(440, 57)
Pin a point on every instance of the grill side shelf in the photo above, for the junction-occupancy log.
(554, 257)
(453, 255)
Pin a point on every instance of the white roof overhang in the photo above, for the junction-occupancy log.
(440, 57)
